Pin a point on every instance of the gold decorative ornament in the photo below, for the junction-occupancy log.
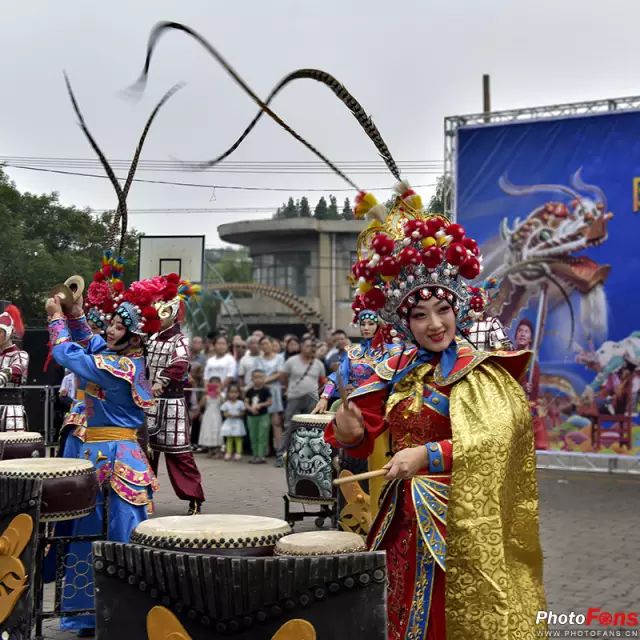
(13, 575)
(296, 629)
(162, 624)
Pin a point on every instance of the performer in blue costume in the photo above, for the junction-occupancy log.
(359, 360)
(112, 375)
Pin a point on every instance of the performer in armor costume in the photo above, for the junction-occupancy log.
(111, 372)
(440, 400)
(484, 332)
(168, 421)
(14, 367)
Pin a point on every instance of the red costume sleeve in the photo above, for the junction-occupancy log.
(372, 407)
(447, 454)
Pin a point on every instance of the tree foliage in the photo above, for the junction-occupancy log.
(439, 202)
(323, 210)
(43, 242)
(347, 211)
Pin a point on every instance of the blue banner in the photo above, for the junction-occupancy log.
(555, 205)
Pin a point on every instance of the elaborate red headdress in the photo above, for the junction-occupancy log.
(11, 321)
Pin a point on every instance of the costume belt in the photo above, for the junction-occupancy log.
(104, 434)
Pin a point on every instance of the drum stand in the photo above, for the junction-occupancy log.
(327, 510)
(47, 538)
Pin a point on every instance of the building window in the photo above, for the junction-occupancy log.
(288, 270)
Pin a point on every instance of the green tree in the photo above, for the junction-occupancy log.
(43, 243)
(347, 211)
(305, 209)
(440, 200)
(332, 211)
(322, 210)
(289, 210)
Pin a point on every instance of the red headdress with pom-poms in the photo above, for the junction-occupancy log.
(176, 293)
(409, 255)
(11, 322)
(137, 309)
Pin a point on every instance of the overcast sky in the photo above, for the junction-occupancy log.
(410, 63)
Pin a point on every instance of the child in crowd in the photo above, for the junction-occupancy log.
(233, 430)
(210, 437)
(257, 402)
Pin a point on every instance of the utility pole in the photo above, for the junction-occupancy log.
(486, 95)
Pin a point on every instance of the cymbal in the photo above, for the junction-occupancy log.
(65, 294)
(76, 285)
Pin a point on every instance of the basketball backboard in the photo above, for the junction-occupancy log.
(161, 255)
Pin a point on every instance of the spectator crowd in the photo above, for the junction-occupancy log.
(243, 393)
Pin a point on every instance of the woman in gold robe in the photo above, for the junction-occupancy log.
(459, 513)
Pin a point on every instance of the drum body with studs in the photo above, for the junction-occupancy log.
(308, 463)
(69, 485)
(213, 534)
(21, 444)
(320, 543)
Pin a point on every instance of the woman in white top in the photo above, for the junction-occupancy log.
(271, 362)
(221, 364)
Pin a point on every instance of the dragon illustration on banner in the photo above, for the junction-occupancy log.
(542, 249)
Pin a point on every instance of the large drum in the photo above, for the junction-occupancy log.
(21, 444)
(308, 464)
(320, 543)
(213, 534)
(69, 485)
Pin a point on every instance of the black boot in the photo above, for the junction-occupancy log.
(195, 507)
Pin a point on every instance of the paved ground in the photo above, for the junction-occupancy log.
(590, 529)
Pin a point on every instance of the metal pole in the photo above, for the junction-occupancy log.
(540, 321)
(486, 95)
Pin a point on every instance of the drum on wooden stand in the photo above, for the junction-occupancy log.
(69, 490)
(212, 534)
(21, 444)
(309, 469)
(69, 485)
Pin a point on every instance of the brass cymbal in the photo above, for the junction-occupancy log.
(65, 294)
(76, 285)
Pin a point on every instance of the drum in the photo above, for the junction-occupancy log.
(213, 534)
(69, 485)
(308, 463)
(21, 444)
(320, 543)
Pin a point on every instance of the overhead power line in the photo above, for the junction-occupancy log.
(200, 185)
(259, 167)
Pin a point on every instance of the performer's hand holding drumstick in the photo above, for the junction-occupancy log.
(349, 424)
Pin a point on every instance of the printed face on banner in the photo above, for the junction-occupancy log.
(554, 205)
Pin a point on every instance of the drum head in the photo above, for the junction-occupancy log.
(320, 543)
(20, 436)
(211, 531)
(313, 419)
(45, 467)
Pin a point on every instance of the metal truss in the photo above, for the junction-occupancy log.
(596, 462)
(453, 123)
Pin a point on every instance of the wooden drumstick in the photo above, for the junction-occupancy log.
(360, 476)
(341, 389)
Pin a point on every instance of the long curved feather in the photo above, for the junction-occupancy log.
(161, 27)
